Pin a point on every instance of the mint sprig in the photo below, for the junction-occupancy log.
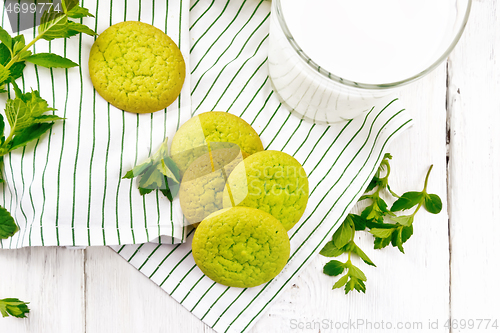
(29, 116)
(13, 307)
(14, 52)
(396, 231)
(158, 172)
(343, 242)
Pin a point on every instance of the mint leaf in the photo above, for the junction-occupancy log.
(373, 183)
(143, 191)
(432, 203)
(29, 134)
(407, 201)
(167, 170)
(16, 70)
(152, 179)
(343, 234)
(19, 45)
(355, 284)
(333, 268)
(358, 221)
(50, 60)
(139, 169)
(80, 28)
(380, 243)
(376, 211)
(381, 233)
(330, 250)
(397, 239)
(22, 112)
(158, 172)
(5, 38)
(8, 226)
(406, 233)
(4, 74)
(341, 282)
(78, 12)
(357, 273)
(13, 307)
(363, 256)
(405, 220)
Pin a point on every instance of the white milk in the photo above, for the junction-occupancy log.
(364, 41)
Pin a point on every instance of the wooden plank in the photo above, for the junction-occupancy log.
(121, 299)
(52, 280)
(474, 177)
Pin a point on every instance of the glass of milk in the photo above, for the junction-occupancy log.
(332, 60)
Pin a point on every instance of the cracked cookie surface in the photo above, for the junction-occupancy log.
(241, 247)
(203, 183)
(194, 136)
(272, 181)
(136, 67)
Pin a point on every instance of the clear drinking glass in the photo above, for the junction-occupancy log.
(314, 92)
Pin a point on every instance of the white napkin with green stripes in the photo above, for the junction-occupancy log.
(66, 189)
(229, 72)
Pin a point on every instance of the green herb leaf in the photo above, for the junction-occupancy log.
(405, 220)
(5, 38)
(158, 172)
(55, 25)
(397, 239)
(432, 203)
(143, 191)
(8, 226)
(22, 112)
(406, 233)
(29, 134)
(355, 284)
(333, 268)
(167, 170)
(407, 201)
(78, 12)
(330, 250)
(363, 256)
(373, 183)
(18, 46)
(4, 74)
(16, 70)
(50, 60)
(343, 234)
(381, 233)
(139, 169)
(358, 221)
(341, 282)
(380, 243)
(13, 307)
(80, 28)
(376, 211)
(152, 179)
(357, 273)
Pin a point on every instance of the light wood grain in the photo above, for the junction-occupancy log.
(121, 299)
(52, 280)
(474, 177)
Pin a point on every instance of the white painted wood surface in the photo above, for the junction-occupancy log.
(456, 252)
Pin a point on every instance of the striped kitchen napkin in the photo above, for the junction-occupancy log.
(66, 188)
(229, 72)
